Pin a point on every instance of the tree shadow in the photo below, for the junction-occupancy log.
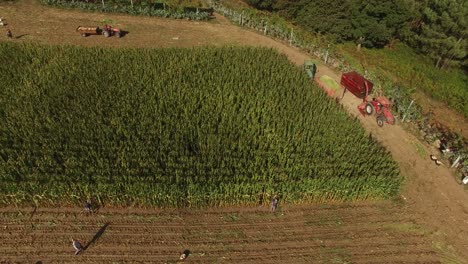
(97, 235)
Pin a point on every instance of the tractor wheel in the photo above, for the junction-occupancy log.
(369, 109)
(380, 121)
(106, 33)
(84, 35)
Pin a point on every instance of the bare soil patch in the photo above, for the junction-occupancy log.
(429, 224)
(344, 233)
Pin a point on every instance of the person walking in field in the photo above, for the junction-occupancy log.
(88, 207)
(274, 203)
(77, 246)
(9, 34)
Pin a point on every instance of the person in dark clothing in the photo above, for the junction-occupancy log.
(88, 207)
(9, 34)
(314, 70)
(274, 203)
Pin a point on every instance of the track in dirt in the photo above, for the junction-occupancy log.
(434, 215)
(355, 233)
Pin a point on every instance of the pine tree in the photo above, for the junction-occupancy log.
(375, 22)
(325, 17)
(443, 32)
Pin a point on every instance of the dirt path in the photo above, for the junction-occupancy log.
(432, 199)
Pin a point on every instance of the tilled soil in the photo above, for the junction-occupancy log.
(343, 233)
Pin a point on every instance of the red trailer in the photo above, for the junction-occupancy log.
(356, 84)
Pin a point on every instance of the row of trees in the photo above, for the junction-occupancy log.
(438, 28)
(145, 8)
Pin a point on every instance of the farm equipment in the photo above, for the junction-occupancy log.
(86, 31)
(310, 68)
(107, 31)
(361, 88)
(380, 106)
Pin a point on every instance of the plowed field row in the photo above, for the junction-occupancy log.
(361, 233)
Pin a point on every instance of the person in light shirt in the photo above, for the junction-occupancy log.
(77, 246)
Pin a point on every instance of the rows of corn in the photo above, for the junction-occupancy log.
(177, 127)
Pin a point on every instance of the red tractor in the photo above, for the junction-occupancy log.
(108, 31)
(380, 106)
(361, 88)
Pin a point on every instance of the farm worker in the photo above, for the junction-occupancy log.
(9, 34)
(77, 246)
(88, 206)
(184, 254)
(274, 203)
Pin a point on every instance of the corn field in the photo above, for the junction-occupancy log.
(177, 128)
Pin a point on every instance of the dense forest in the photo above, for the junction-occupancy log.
(436, 28)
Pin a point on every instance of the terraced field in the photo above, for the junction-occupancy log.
(354, 233)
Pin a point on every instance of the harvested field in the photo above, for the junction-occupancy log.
(345, 233)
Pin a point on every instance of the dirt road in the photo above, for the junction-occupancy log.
(432, 203)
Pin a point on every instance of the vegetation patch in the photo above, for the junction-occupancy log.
(330, 83)
(419, 149)
(407, 228)
(146, 8)
(177, 127)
